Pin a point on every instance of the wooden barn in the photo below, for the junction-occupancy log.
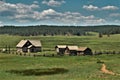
(71, 50)
(60, 49)
(84, 51)
(29, 46)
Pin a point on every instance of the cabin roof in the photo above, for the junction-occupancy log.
(35, 43)
(72, 47)
(61, 46)
(82, 48)
(21, 43)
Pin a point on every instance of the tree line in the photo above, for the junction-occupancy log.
(58, 30)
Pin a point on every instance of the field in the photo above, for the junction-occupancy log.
(15, 67)
(111, 43)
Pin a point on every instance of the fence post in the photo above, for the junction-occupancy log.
(6, 49)
(9, 49)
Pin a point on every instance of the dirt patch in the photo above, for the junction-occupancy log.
(105, 70)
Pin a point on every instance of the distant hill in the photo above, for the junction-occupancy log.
(58, 30)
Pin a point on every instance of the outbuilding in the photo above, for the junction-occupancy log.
(60, 49)
(84, 51)
(71, 50)
(29, 46)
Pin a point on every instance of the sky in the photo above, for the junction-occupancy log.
(59, 12)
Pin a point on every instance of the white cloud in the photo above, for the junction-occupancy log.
(27, 13)
(117, 21)
(110, 8)
(90, 7)
(19, 7)
(6, 6)
(115, 15)
(35, 2)
(54, 16)
(22, 16)
(22, 21)
(95, 21)
(19, 11)
(53, 3)
(1, 23)
(66, 17)
(48, 12)
(45, 14)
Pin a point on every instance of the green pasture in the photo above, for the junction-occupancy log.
(105, 43)
(15, 67)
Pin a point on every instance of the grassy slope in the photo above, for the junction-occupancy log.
(97, 44)
(72, 68)
(77, 67)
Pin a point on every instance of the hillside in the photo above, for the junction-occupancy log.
(105, 43)
(58, 30)
(14, 67)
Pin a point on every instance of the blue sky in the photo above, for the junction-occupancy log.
(59, 12)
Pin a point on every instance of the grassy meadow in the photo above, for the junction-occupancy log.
(15, 67)
(105, 43)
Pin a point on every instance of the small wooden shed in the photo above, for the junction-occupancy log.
(60, 49)
(71, 50)
(84, 51)
(29, 46)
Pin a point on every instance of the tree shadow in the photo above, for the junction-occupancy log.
(39, 72)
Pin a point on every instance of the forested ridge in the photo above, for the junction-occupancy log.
(58, 30)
